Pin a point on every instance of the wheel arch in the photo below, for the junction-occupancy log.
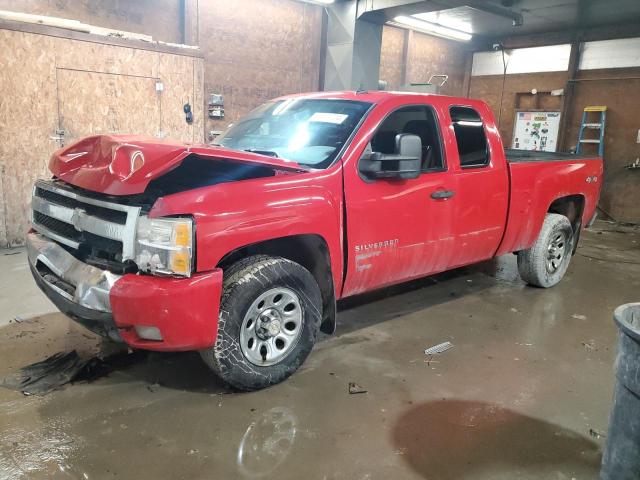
(572, 207)
(309, 250)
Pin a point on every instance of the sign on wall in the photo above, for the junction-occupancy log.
(536, 131)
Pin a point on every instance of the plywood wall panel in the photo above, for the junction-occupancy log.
(3, 220)
(621, 194)
(158, 18)
(391, 56)
(199, 134)
(27, 120)
(98, 57)
(257, 49)
(179, 77)
(245, 87)
(430, 55)
(119, 104)
(311, 48)
(488, 88)
(621, 190)
(100, 88)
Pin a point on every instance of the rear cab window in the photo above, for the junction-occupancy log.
(471, 138)
(417, 120)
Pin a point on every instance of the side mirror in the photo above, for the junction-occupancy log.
(404, 164)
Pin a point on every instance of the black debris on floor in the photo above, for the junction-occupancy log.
(62, 368)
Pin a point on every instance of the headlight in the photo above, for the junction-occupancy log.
(165, 245)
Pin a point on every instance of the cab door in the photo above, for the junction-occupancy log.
(398, 230)
(481, 177)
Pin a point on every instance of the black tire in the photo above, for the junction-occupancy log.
(244, 282)
(537, 265)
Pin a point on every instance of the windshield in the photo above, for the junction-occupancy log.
(310, 132)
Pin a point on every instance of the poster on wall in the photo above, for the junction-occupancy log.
(536, 131)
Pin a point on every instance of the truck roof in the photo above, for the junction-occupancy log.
(371, 96)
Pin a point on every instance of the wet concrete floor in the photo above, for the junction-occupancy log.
(522, 395)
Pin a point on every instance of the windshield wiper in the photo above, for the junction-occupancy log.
(268, 153)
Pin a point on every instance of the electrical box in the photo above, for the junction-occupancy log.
(216, 106)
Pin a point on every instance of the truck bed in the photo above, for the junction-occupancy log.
(537, 180)
(523, 156)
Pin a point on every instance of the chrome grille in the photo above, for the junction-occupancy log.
(74, 220)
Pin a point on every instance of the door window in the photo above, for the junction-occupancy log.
(417, 120)
(470, 137)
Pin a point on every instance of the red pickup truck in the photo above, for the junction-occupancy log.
(240, 250)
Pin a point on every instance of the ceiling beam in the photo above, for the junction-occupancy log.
(587, 34)
(384, 10)
(497, 10)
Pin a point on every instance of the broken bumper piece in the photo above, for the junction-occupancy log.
(147, 312)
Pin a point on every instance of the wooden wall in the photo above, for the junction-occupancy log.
(621, 192)
(621, 195)
(158, 18)
(425, 56)
(392, 62)
(84, 87)
(430, 55)
(488, 88)
(256, 50)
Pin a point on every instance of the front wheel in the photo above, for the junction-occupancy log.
(270, 314)
(546, 262)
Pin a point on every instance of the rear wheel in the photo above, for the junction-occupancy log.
(546, 262)
(270, 314)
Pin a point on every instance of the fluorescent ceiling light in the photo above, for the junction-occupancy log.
(318, 2)
(446, 19)
(433, 29)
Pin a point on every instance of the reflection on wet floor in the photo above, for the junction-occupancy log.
(267, 442)
(452, 439)
(529, 377)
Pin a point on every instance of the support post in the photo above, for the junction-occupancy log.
(353, 49)
(574, 63)
(189, 22)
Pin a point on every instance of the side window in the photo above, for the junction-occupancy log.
(417, 120)
(470, 137)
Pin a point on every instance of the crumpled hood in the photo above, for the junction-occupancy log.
(125, 164)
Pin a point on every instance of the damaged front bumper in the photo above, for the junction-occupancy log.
(182, 313)
(79, 290)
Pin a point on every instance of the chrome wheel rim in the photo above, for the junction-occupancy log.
(556, 252)
(272, 327)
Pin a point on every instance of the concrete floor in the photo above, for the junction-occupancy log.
(20, 298)
(530, 374)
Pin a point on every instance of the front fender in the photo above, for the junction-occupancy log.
(234, 215)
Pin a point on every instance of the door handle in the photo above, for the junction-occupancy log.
(442, 194)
